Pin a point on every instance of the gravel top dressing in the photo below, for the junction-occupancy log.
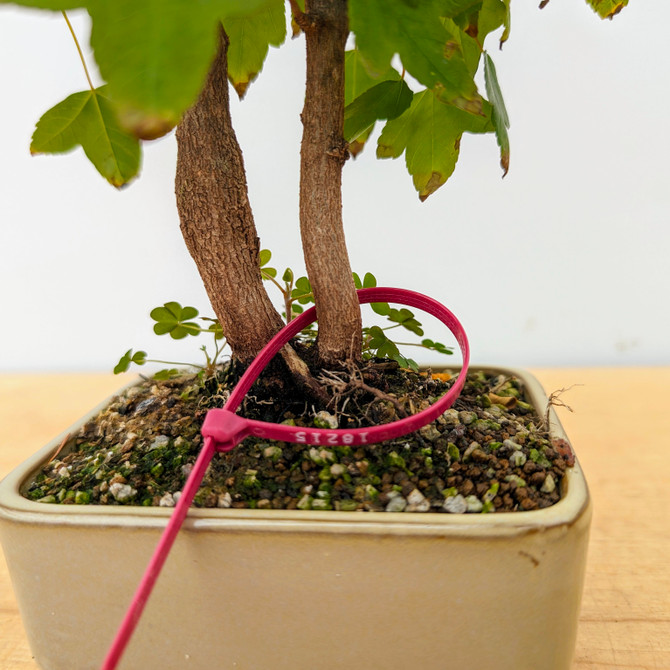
(490, 452)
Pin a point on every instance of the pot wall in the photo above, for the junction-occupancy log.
(250, 589)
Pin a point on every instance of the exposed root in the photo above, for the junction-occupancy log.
(302, 376)
(345, 384)
(554, 400)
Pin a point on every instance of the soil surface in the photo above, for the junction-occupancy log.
(490, 452)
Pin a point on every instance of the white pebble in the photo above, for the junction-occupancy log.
(122, 492)
(474, 504)
(417, 502)
(517, 459)
(455, 505)
(166, 501)
(549, 485)
(159, 442)
(396, 504)
(224, 500)
(325, 420)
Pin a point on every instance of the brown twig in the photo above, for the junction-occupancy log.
(303, 21)
(554, 401)
(60, 448)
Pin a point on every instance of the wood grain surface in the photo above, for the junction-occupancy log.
(620, 429)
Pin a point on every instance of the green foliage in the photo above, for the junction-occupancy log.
(250, 37)
(155, 55)
(606, 9)
(88, 119)
(174, 320)
(387, 100)
(499, 117)
(138, 357)
(428, 49)
(375, 340)
(429, 133)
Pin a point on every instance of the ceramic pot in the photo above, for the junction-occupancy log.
(252, 589)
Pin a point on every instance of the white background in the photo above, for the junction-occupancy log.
(564, 262)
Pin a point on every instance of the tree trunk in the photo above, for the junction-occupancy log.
(323, 154)
(216, 218)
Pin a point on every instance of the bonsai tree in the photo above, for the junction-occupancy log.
(410, 66)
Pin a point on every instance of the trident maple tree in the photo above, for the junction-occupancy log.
(411, 67)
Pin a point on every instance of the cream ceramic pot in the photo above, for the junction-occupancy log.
(297, 590)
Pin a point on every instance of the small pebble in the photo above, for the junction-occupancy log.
(468, 452)
(166, 501)
(517, 459)
(417, 502)
(325, 420)
(511, 444)
(159, 442)
(474, 504)
(455, 505)
(467, 417)
(224, 500)
(429, 432)
(122, 492)
(396, 504)
(549, 485)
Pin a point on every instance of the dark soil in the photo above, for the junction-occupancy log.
(490, 452)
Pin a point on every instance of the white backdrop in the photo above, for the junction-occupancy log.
(564, 262)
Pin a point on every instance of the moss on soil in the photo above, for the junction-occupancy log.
(490, 452)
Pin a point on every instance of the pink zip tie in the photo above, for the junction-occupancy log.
(223, 430)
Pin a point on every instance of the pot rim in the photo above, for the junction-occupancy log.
(573, 505)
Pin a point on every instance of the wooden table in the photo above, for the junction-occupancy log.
(620, 429)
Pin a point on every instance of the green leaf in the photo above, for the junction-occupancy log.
(56, 5)
(606, 9)
(302, 291)
(377, 337)
(429, 134)
(500, 118)
(264, 257)
(188, 313)
(182, 330)
(155, 55)
(139, 358)
(436, 346)
(451, 8)
(250, 36)
(381, 308)
(287, 277)
(427, 49)
(162, 375)
(216, 329)
(369, 281)
(357, 280)
(406, 319)
(88, 119)
(163, 328)
(357, 79)
(124, 363)
(387, 100)
(172, 318)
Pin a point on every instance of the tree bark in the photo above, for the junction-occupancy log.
(216, 218)
(323, 154)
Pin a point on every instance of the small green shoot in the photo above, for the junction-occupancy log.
(298, 292)
(176, 321)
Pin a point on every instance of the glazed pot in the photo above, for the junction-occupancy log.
(251, 589)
